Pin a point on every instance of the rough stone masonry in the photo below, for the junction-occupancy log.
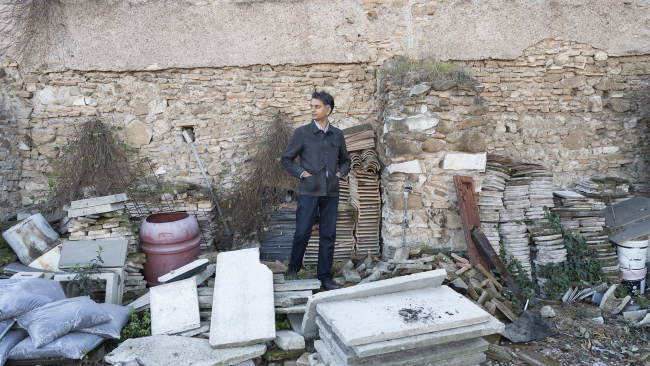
(547, 97)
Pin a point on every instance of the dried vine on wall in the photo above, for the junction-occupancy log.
(260, 183)
(29, 29)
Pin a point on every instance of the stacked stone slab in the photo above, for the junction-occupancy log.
(540, 193)
(407, 323)
(105, 218)
(548, 248)
(290, 297)
(513, 233)
(604, 191)
(490, 201)
(580, 213)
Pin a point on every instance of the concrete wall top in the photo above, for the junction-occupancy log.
(147, 34)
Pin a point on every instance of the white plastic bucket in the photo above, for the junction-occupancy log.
(633, 254)
(31, 238)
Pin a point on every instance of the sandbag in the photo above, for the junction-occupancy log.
(8, 342)
(59, 318)
(18, 297)
(72, 345)
(113, 328)
(5, 325)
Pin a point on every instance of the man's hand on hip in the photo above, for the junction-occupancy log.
(339, 174)
(305, 175)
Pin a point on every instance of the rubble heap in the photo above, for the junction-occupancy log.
(105, 218)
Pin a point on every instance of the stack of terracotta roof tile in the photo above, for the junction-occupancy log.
(359, 137)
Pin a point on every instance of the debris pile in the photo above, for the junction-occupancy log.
(603, 191)
(290, 297)
(105, 218)
(405, 320)
(578, 213)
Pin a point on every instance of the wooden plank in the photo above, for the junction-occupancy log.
(494, 261)
(468, 207)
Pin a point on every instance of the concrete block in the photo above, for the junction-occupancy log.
(114, 284)
(84, 251)
(288, 340)
(297, 285)
(27, 275)
(409, 167)
(243, 312)
(174, 307)
(493, 326)
(465, 162)
(48, 261)
(98, 201)
(385, 317)
(278, 278)
(95, 209)
(291, 298)
(186, 271)
(350, 275)
(459, 353)
(165, 350)
(392, 285)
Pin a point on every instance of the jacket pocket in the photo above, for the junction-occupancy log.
(308, 182)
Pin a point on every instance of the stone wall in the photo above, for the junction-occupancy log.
(561, 103)
(224, 106)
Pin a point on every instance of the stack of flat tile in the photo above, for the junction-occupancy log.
(197, 203)
(548, 248)
(513, 233)
(606, 191)
(344, 190)
(344, 245)
(432, 325)
(105, 218)
(278, 239)
(364, 195)
(540, 193)
(359, 137)
(490, 201)
(290, 297)
(580, 213)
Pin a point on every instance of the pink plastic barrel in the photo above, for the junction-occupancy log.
(171, 240)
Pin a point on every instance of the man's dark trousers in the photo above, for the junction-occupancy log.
(305, 216)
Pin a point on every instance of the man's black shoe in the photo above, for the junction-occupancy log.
(291, 276)
(329, 285)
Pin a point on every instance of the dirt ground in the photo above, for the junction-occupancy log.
(582, 341)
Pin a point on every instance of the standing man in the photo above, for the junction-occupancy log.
(324, 161)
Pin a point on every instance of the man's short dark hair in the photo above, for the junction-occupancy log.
(324, 97)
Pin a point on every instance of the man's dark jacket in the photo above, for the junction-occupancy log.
(319, 152)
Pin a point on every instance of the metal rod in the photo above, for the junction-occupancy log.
(205, 176)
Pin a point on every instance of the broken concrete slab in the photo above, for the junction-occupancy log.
(98, 201)
(645, 322)
(408, 313)
(84, 251)
(243, 312)
(392, 285)
(288, 340)
(607, 296)
(624, 302)
(278, 278)
(95, 209)
(194, 332)
(165, 350)
(291, 298)
(493, 326)
(297, 309)
(186, 271)
(174, 307)
(27, 275)
(634, 316)
(295, 319)
(48, 261)
(350, 275)
(465, 162)
(297, 285)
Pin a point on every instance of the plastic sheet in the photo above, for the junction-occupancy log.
(8, 342)
(18, 297)
(5, 325)
(113, 328)
(73, 346)
(59, 318)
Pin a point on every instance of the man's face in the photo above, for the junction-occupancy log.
(318, 110)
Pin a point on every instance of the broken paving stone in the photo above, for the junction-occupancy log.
(634, 316)
(276, 267)
(622, 305)
(164, 350)
(351, 275)
(288, 340)
(287, 299)
(547, 312)
(497, 353)
(278, 354)
(373, 277)
(174, 307)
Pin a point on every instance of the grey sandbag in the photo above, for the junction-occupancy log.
(5, 325)
(113, 328)
(18, 297)
(72, 345)
(8, 342)
(59, 318)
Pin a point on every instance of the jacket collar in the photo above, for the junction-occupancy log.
(315, 129)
